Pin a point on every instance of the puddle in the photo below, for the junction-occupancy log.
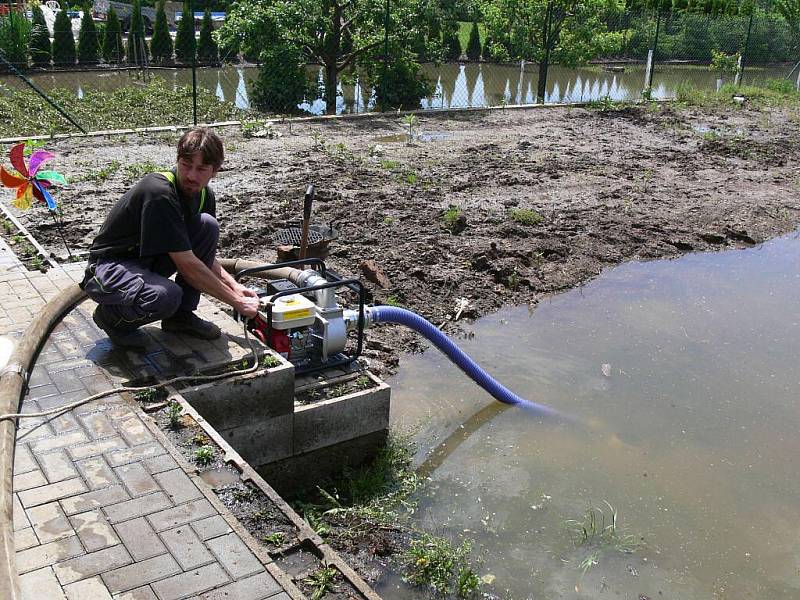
(404, 138)
(220, 477)
(682, 375)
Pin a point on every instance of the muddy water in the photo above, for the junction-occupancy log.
(457, 85)
(683, 377)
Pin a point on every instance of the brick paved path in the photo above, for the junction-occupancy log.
(102, 506)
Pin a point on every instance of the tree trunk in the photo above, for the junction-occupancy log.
(331, 83)
(333, 44)
(544, 62)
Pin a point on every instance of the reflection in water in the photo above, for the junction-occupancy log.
(686, 372)
(457, 85)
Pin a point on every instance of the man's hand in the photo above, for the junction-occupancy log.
(247, 305)
(245, 291)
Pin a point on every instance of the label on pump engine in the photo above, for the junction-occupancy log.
(292, 311)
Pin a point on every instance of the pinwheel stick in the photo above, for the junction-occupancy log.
(60, 226)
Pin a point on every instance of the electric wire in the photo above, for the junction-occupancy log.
(68, 407)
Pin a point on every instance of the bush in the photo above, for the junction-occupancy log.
(88, 42)
(161, 44)
(781, 86)
(474, 43)
(451, 42)
(206, 46)
(63, 40)
(184, 38)
(113, 51)
(282, 82)
(401, 85)
(136, 49)
(39, 48)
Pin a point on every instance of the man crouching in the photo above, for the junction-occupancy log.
(165, 224)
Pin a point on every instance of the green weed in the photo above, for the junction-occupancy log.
(390, 164)
(136, 171)
(411, 178)
(599, 527)
(204, 455)
(174, 412)
(270, 362)
(451, 218)
(526, 216)
(363, 382)
(392, 301)
(321, 582)
(276, 539)
(199, 439)
(146, 395)
(99, 175)
(435, 562)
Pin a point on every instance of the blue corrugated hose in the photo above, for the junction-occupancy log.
(393, 314)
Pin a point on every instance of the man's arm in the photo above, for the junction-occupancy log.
(228, 280)
(201, 278)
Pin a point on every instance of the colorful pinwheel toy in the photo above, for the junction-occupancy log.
(29, 181)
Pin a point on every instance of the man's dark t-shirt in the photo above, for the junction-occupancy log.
(150, 219)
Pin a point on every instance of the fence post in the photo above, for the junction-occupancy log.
(541, 87)
(194, 65)
(651, 58)
(743, 57)
(385, 54)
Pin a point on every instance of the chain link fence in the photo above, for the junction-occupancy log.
(653, 55)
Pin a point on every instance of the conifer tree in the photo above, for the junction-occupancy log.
(474, 43)
(39, 48)
(88, 42)
(161, 44)
(452, 45)
(136, 49)
(184, 38)
(113, 51)
(63, 40)
(206, 46)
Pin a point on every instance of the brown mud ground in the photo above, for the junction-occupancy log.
(631, 184)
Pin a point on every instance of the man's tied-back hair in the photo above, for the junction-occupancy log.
(204, 140)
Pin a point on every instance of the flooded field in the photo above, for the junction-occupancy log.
(681, 375)
(457, 85)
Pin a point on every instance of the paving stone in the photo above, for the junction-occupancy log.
(94, 530)
(18, 515)
(98, 425)
(129, 455)
(234, 555)
(63, 423)
(142, 593)
(39, 377)
(49, 522)
(96, 472)
(48, 554)
(23, 460)
(57, 466)
(58, 441)
(54, 491)
(91, 564)
(96, 448)
(180, 515)
(24, 539)
(67, 381)
(256, 587)
(136, 479)
(40, 584)
(211, 527)
(140, 539)
(186, 547)
(134, 431)
(192, 582)
(178, 486)
(138, 507)
(44, 391)
(27, 481)
(88, 589)
(94, 499)
(141, 573)
(161, 463)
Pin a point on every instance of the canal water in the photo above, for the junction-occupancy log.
(457, 85)
(682, 380)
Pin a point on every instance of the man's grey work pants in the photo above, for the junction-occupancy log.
(138, 291)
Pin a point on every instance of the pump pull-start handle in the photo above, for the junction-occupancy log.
(307, 201)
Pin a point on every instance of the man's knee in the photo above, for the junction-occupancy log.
(208, 231)
(161, 300)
